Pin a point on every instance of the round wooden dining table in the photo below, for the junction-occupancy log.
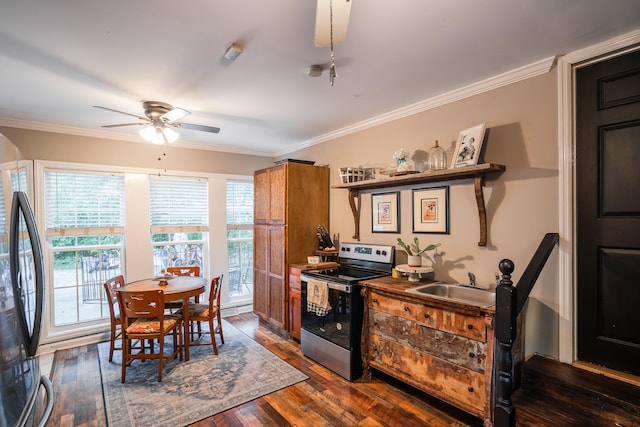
(180, 288)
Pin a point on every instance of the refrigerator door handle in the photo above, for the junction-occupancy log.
(22, 210)
(44, 381)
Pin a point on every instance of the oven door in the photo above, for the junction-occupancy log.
(339, 323)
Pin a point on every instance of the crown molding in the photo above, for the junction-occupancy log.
(501, 80)
(94, 133)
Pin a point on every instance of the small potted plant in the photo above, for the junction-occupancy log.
(414, 253)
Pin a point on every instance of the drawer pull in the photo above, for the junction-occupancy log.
(375, 300)
(472, 355)
(426, 315)
(406, 308)
(470, 327)
(470, 389)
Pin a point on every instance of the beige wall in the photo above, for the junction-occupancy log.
(522, 203)
(36, 145)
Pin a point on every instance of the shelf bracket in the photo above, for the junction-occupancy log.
(354, 200)
(478, 183)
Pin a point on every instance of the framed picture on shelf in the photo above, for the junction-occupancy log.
(469, 147)
(385, 212)
(431, 210)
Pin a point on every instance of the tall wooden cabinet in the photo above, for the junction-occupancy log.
(290, 200)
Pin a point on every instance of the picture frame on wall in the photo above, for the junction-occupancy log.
(468, 147)
(385, 212)
(431, 210)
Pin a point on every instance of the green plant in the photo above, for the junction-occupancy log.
(414, 248)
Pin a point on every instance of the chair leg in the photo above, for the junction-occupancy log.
(213, 336)
(181, 340)
(161, 359)
(220, 327)
(125, 352)
(113, 342)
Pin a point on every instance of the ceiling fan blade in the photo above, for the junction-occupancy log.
(174, 114)
(125, 124)
(331, 13)
(202, 128)
(121, 112)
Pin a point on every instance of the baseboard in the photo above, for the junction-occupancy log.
(617, 375)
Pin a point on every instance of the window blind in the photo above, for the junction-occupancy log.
(239, 204)
(83, 203)
(178, 205)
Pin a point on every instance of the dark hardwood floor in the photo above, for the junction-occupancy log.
(326, 399)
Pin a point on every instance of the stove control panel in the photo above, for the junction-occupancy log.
(366, 252)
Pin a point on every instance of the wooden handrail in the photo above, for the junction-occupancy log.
(509, 303)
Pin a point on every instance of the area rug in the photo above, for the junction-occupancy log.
(191, 391)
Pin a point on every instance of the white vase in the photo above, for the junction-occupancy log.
(414, 260)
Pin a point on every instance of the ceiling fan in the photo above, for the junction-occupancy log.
(158, 119)
(332, 20)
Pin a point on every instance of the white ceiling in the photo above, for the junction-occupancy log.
(59, 58)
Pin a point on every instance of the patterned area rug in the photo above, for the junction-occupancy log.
(193, 390)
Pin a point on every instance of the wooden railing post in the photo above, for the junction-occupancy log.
(504, 413)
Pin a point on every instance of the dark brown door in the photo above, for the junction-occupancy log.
(608, 212)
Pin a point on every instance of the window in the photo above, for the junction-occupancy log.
(84, 221)
(179, 221)
(240, 238)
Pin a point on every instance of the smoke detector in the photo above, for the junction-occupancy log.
(232, 52)
(314, 70)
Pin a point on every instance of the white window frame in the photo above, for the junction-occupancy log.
(138, 256)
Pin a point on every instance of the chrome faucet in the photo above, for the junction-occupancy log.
(472, 279)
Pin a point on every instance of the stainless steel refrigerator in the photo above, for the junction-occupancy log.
(26, 396)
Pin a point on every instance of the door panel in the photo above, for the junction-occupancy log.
(608, 212)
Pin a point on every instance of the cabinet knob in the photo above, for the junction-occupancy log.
(426, 315)
(472, 355)
(470, 389)
(470, 327)
(406, 308)
(375, 300)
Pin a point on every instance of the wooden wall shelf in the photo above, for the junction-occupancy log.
(476, 172)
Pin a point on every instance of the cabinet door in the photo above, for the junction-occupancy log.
(261, 196)
(277, 194)
(294, 313)
(294, 302)
(260, 272)
(278, 278)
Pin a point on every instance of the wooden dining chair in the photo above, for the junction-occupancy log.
(208, 313)
(110, 288)
(142, 318)
(189, 270)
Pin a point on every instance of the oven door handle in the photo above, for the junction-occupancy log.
(337, 286)
(340, 287)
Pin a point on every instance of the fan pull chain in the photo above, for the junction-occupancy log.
(332, 68)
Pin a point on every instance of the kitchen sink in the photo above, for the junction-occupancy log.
(456, 292)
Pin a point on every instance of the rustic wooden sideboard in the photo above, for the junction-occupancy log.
(443, 348)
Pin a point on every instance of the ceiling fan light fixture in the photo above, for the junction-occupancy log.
(147, 132)
(171, 135)
(159, 134)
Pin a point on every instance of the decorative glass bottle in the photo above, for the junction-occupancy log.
(437, 158)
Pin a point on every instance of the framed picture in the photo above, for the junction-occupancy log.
(431, 210)
(385, 212)
(468, 147)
